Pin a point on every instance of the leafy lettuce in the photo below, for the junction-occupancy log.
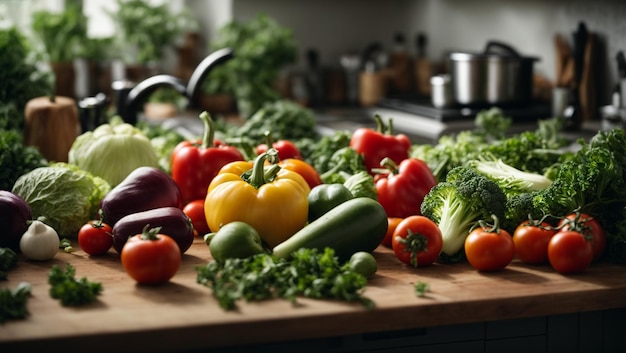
(62, 196)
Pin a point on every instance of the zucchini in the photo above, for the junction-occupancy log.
(359, 224)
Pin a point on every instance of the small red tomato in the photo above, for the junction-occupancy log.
(569, 252)
(417, 241)
(95, 237)
(589, 227)
(392, 223)
(195, 211)
(531, 241)
(150, 257)
(286, 149)
(489, 250)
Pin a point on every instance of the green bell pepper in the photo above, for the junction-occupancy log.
(325, 197)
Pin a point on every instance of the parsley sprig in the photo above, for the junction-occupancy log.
(8, 260)
(69, 290)
(307, 272)
(13, 302)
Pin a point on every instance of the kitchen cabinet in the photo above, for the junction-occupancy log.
(523, 307)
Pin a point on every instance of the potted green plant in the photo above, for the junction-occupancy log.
(62, 34)
(262, 48)
(145, 32)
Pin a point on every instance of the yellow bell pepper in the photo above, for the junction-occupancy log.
(271, 199)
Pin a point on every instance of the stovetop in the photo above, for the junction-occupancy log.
(423, 107)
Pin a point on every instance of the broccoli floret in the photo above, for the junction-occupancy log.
(459, 202)
(519, 208)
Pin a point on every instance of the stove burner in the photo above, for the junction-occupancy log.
(423, 107)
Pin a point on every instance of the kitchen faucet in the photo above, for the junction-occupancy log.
(128, 104)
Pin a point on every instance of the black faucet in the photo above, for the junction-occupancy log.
(128, 106)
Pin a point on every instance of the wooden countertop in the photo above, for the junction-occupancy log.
(183, 315)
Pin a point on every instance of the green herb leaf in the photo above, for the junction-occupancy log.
(69, 290)
(421, 288)
(13, 302)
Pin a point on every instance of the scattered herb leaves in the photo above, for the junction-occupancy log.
(69, 290)
(421, 288)
(8, 259)
(13, 302)
(308, 272)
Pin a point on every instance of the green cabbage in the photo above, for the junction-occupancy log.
(112, 152)
(64, 196)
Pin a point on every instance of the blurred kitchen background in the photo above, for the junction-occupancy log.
(333, 37)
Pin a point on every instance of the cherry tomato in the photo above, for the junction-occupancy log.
(392, 223)
(286, 149)
(417, 241)
(531, 241)
(569, 252)
(489, 250)
(95, 237)
(195, 211)
(588, 226)
(150, 257)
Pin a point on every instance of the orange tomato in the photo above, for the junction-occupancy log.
(391, 227)
(310, 175)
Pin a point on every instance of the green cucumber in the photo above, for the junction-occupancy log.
(359, 224)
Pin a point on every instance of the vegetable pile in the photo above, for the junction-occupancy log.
(285, 213)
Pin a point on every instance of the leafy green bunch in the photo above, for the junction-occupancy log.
(531, 151)
(20, 77)
(16, 159)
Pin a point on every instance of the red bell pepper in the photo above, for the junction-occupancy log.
(196, 163)
(402, 190)
(377, 144)
(286, 149)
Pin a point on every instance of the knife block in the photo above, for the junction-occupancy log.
(51, 126)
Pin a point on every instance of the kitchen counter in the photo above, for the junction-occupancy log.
(183, 315)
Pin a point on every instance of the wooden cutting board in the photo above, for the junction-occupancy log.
(183, 315)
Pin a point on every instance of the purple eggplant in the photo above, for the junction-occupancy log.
(145, 188)
(14, 216)
(172, 220)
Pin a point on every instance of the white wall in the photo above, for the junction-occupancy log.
(339, 26)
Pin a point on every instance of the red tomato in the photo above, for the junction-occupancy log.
(488, 250)
(151, 258)
(286, 149)
(569, 252)
(392, 223)
(95, 237)
(195, 211)
(588, 226)
(531, 241)
(417, 241)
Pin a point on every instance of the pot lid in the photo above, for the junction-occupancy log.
(494, 51)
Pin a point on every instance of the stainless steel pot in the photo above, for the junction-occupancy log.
(497, 76)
